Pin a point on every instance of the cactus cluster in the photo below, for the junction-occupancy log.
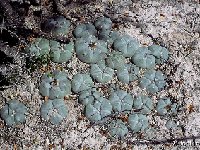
(55, 86)
(106, 63)
(56, 51)
(109, 54)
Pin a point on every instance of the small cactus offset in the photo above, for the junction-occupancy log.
(60, 53)
(144, 58)
(161, 53)
(54, 111)
(88, 96)
(108, 36)
(153, 81)
(98, 110)
(143, 103)
(101, 73)
(117, 128)
(171, 125)
(138, 122)
(128, 73)
(14, 113)
(115, 60)
(121, 100)
(126, 45)
(81, 82)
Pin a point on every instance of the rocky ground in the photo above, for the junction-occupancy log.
(174, 24)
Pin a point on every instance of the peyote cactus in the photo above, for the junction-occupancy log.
(128, 73)
(38, 47)
(153, 81)
(57, 26)
(90, 50)
(138, 122)
(117, 128)
(81, 82)
(115, 60)
(54, 110)
(83, 30)
(108, 36)
(144, 58)
(121, 100)
(165, 107)
(55, 85)
(88, 96)
(61, 52)
(161, 53)
(127, 45)
(103, 23)
(101, 73)
(171, 125)
(14, 113)
(143, 103)
(98, 110)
